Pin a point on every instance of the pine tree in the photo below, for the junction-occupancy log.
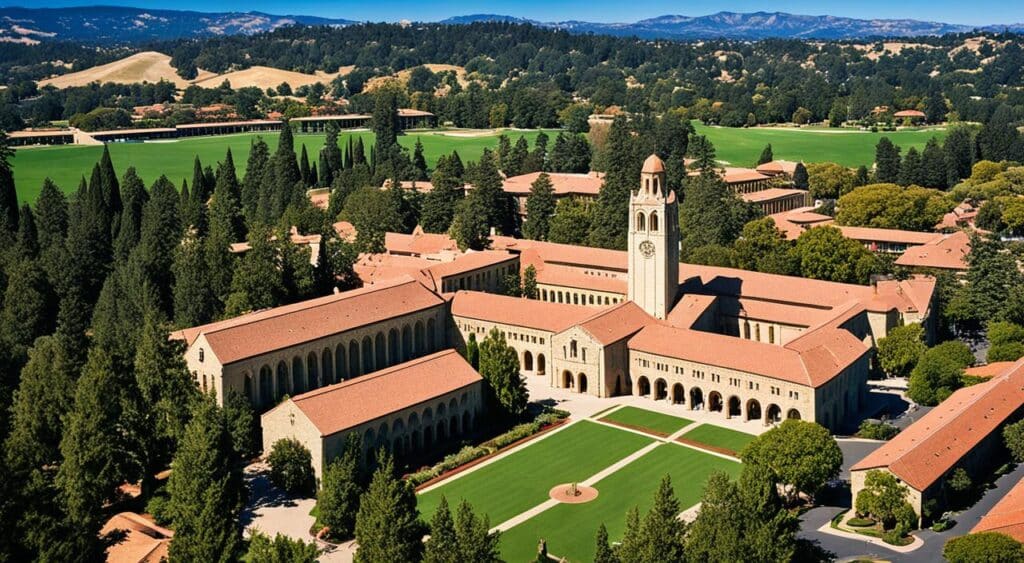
(286, 174)
(530, 290)
(419, 163)
(304, 173)
(766, 155)
(499, 366)
(540, 206)
(387, 524)
(862, 178)
(159, 236)
(384, 122)
(258, 280)
(910, 170)
(111, 191)
(475, 541)
(470, 227)
(959, 149)
(134, 199)
(330, 155)
(255, 169)
(242, 425)
(226, 228)
(513, 164)
(443, 546)
(487, 184)
(358, 153)
(609, 229)
(51, 215)
(194, 300)
(538, 158)
(473, 352)
(662, 533)
(630, 548)
(8, 194)
(603, 552)
(933, 171)
(440, 203)
(27, 313)
(887, 162)
(206, 490)
(341, 487)
(27, 241)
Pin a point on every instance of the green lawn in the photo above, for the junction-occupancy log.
(570, 529)
(645, 419)
(720, 437)
(65, 165)
(742, 147)
(522, 480)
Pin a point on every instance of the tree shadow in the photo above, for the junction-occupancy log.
(263, 494)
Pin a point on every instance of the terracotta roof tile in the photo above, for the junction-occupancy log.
(772, 194)
(777, 167)
(618, 322)
(527, 313)
(1007, 516)
(928, 448)
(869, 234)
(341, 406)
(948, 252)
(566, 254)
(418, 243)
(561, 182)
(144, 542)
(989, 370)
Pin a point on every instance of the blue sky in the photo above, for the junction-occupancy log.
(974, 12)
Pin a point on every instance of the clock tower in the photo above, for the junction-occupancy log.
(653, 242)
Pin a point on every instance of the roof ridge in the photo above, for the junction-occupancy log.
(373, 375)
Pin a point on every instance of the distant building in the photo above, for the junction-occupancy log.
(584, 186)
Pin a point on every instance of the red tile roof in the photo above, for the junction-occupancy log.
(344, 405)
(618, 322)
(144, 542)
(948, 252)
(419, 243)
(1007, 516)
(777, 167)
(265, 331)
(562, 183)
(927, 449)
(772, 194)
(653, 165)
(870, 234)
(989, 370)
(568, 254)
(909, 113)
(794, 223)
(527, 313)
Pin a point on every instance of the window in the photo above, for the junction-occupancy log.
(584, 354)
(572, 348)
(641, 222)
(654, 221)
(771, 335)
(201, 354)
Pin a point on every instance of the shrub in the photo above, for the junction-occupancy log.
(860, 522)
(942, 525)
(877, 430)
(1013, 435)
(291, 466)
(986, 546)
(157, 508)
(281, 549)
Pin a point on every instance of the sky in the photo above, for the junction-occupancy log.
(975, 12)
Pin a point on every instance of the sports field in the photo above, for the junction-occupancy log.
(742, 147)
(645, 420)
(521, 481)
(719, 437)
(65, 165)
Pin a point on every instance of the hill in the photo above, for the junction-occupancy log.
(264, 77)
(147, 66)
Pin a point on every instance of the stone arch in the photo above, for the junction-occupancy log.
(541, 364)
(643, 386)
(406, 342)
(453, 405)
(417, 333)
(641, 221)
(773, 414)
(715, 401)
(654, 221)
(354, 363)
(380, 351)
(793, 414)
(753, 409)
(734, 406)
(660, 389)
(416, 440)
(453, 426)
(696, 398)
(340, 363)
(298, 376)
(568, 381)
(398, 430)
(382, 435)
(527, 361)
(394, 349)
(431, 335)
(428, 435)
(582, 379)
(467, 422)
(312, 371)
(442, 430)
(282, 378)
(327, 363)
(463, 399)
(248, 387)
(440, 410)
(367, 355)
(678, 394)
(266, 385)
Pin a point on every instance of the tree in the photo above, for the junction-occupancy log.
(372, 212)
(991, 275)
(160, 235)
(27, 313)
(206, 490)
(801, 455)
(800, 176)
(304, 171)
(291, 466)
(603, 552)
(823, 253)
(440, 203)
(983, 546)
(887, 161)
(8, 193)
(281, 549)
(662, 533)
(959, 149)
(1013, 435)
(384, 123)
(910, 169)
(934, 166)
(623, 172)
(419, 163)
(571, 222)
(255, 168)
(575, 117)
(1006, 341)
(828, 180)
(473, 352)
(470, 225)
(387, 524)
(711, 213)
(242, 425)
(763, 247)
(530, 290)
(258, 281)
(475, 540)
(342, 484)
(540, 206)
(194, 300)
(900, 349)
(51, 215)
(939, 372)
(882, 497)
(499, 366)
(888, 206)
(487, 187)
(766, 155)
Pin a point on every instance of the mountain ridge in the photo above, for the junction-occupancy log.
(115, 24)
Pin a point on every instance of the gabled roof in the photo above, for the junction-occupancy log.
(566, 254)
(144, 542)
(515, 311)
(344, 405)
(771, 194)
(927, 449)
(777, 167)
(418, 243)
(1007, 516)
(947, 252)
(563, 183)
(618, 322)
(265, 331)
(871, 234)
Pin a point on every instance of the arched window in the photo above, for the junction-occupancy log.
(654, 221)
(641, 221)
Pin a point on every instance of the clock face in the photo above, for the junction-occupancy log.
(647, 248)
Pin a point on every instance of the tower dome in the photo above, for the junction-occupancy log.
(653, 165)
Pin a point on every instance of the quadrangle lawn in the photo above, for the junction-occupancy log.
(569, 529)
(645, 419)
(718, 436)
(520, 481)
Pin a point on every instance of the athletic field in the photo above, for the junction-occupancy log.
(65, 165)
(624, 465)
(742, 147)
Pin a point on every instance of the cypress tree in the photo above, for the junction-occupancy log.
(8, 194)
(476, 542)
(387, 524)
(933, 171)
(51, 215)
(443, 546)
(801, 180)
(419, 162)
(540, 206)
(487, 184)
(304, 172)
(330, 155)
(342, 485)
(325, 177)
(610, 230)
(194, 300)
(513, 164)
(358, 153)
(28, 237)
(910, 170)
(861, 177)
(959, 149)
(286, 171)
(887, 162)
(134, 199)
(226, 228)
(440, 203)
(242, 425)
(314, 176)
(27, 313)
(766, 155)
(603, 551)
(44, 398)
(255, 169)
(662, 533)
(111, 191)
(206, 490)
(160, 235)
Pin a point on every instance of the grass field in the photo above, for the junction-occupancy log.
(742, 147)
(522, 480)
(65, 165)
(647, 420)
(570, 529)
(720, 437)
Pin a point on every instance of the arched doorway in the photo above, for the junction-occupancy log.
(327, 364)
(734, 407)
(678, 394)
(266, 386)
(380, 347)
(715, 401)
(431, 336)
(660, 389)
(394, 347)
(753, 410)
(367, 355)
(773, 414)
(298, 378)
(467, 422)
(567, 380)
(312, 371)
(527, 361)
(282, 379)
(406, 343)
(643, 386)
(696, 398)
(583, 383)
(353, 359)
(793, 414)
(540, 364)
